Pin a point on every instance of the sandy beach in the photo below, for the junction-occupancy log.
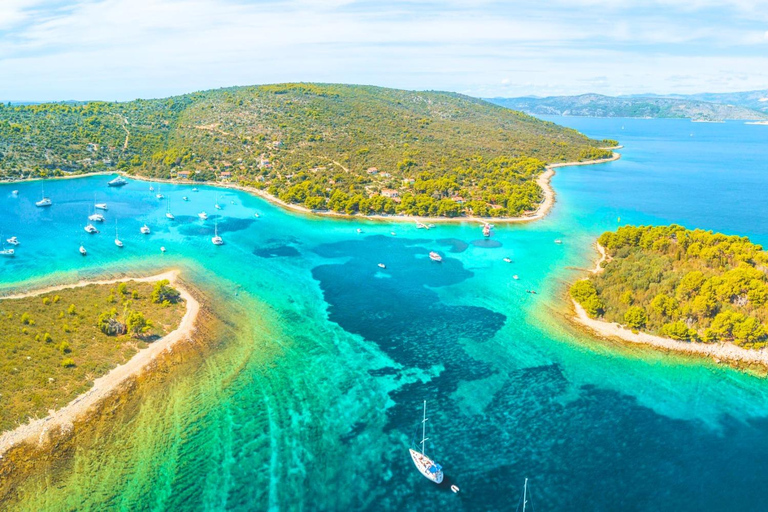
(37, 430)
(718, 352)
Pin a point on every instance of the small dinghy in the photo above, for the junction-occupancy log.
(455, 488)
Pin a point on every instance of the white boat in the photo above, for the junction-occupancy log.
(216, 240)
(203, 216)
(486, 230)
(421, 225)
(90, 228)
(194, 189)
(435, 256)
(44, 201)
(393, 233)
(185, 198)
(101, 206)
(117, 182)
(426, 466)
(159, 195)
(162, 249)
(515, 277)
(168, 213)
(118, 242)
(151, 188)
(96, 217)
(558, 241)
(359, 231)
(13, 240)
(83, 251)
(507, 260)
(381, 265)
(217, 206)
(15, 193)
(145, 230)
(455, 488)
(7, 252)
(256, 215)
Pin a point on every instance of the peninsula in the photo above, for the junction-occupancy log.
(68, 347)
(345, 149)
(683, 290)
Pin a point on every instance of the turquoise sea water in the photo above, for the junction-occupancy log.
(314, 390)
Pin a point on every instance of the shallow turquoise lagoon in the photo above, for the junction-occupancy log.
(315, 389)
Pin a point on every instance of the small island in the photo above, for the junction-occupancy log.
(691, 291)
(65, 348)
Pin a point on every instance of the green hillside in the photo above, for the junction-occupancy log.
(687, 285)
(324, 146)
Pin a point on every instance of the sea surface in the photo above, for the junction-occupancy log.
(313, 392)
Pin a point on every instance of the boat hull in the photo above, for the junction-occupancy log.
(426, 466)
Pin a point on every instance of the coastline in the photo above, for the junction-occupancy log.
(543, 180)
(720, 352)
(36, 430)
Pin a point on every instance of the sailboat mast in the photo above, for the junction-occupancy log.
(525, 494)
(424, 428)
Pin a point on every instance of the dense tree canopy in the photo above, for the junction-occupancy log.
(684, 284)
(339, 147)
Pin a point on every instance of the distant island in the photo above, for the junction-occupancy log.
(596, 105)
(687, 290)
(341, 148)
(66, 347)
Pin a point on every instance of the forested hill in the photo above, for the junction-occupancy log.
(683, 284)
(597, 105)
(345, 147)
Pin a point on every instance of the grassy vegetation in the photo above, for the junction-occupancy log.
(340, 147)
(54, 345)
(682, 284)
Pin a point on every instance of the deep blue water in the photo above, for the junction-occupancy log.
(315, 393)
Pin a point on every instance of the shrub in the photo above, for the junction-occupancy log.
(71, 309)
(122, 289)
(134, 295)
(67, 362)
(25, 318)
(584, 293)
(47, 338)
(137, 324)
(64, 347)
(56, 299)
(164, 292)
(46, 301)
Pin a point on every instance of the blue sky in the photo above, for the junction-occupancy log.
(123, 49)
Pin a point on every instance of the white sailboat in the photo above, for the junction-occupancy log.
(159, 195)
(82, 250)
(151, 188)
(168, 213)
(6, 252)
(216, 240)
(101, 206)
(426, 466)
(203, 216)
(96, 217)
(118, 242)
(13, 240)
(44, 201)
(217, 206)
(145, 230)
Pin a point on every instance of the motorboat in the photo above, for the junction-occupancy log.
(435, 257)
(101, 206)
(117, 182)
(145, 230)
